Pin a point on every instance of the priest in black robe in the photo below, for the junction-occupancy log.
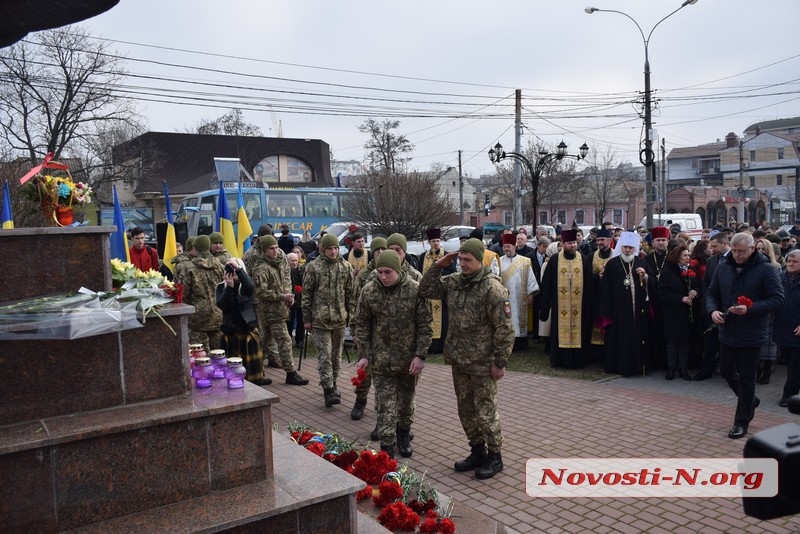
(655, 263)
(623, 305)
(566, 297)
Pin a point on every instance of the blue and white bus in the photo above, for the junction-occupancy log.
(302, 209)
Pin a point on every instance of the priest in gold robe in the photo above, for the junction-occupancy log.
(438, 307)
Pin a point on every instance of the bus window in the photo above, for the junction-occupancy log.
(284, 204)
(321, 205)
(205, 224)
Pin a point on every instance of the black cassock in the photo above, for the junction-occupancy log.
(566, 357)
(623, 300)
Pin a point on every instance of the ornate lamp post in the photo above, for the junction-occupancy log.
(646, 155)
(497, 154)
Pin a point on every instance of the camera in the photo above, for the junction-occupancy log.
(229, 268)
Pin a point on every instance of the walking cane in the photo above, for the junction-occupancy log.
(303, 351)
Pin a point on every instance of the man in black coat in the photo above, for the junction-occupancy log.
(720, 247)
(745, 289)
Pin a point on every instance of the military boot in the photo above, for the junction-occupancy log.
(294, 379)
(397, 430)
(331, 398)
(404, 443)
(475, 458)
(374, 436)
(390, 450)
(490, 467)
(358, 410)
(336, 391)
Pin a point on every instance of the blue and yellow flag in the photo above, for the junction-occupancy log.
(244, 231)
(8, 220)
(119, 239)
(170, 244)
(225, 224)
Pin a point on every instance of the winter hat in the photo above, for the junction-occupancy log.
(329, 240)
(473, 246)
(433, 233)
(659, 232)
(266, 241)
(216, 237)
(477, 233)
(189, 244)
(264, 229)
(509, 239)
(202, 243)
(388, 258)
(377, 242)
(397, 239)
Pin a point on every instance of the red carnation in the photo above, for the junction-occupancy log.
(398, 516)
(744, 301)
(365, 493)
(298, 289)
(317, 448)
(390, 491)
(357, 380)
(447, 526)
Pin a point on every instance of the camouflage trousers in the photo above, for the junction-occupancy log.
(394, 402)
(283, 342)
(477, 408)
(269, 348)
(329, 345)
(211, 339)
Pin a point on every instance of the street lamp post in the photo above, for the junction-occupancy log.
(646, 156)
(497, 154)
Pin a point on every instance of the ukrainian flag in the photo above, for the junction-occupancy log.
(225, 224)
(8, 220)
(244, 231)
(119, 239)
(170, 244)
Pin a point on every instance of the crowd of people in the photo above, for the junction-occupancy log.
(636, 301)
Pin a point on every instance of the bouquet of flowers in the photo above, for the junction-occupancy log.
(150, 289)
(688, 275)
(740, 301)
(57, 191)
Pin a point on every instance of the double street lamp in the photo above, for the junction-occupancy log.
(497, 154)
(646, 155)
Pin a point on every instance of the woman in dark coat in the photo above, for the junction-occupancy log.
(786, 327)
(679, 292)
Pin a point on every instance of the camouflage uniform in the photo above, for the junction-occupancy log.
(180, 263)
(328, 287)
(479, 334)
(223, 256)
(199, 284)
(252, 258)
(394, 326)
(368, 274)
(271, 285)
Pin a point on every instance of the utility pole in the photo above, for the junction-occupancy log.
(740, 216)
(460, 192)
(517, 164)
(663, 203)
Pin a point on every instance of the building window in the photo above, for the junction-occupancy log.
(778, 179)
(562, 217)
(542, 217)
(752, 181)
(507, 218)
(579, 217)
(753, 156)
(283, 169)
(780, 153)
(616, 217)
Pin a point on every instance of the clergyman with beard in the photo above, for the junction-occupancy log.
(655, 264)
(600, 258)
(623, 297)
(566, 293)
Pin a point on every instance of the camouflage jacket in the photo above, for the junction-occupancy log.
(251, 258)
(480, 331)
(328, 289)
(199, 282)
(394, 324)
(271, 283)
(368, 274)
(180, 263)
(223, 256)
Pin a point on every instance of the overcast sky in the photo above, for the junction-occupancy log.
(448, 69)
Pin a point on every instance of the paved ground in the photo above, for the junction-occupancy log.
(562, 417)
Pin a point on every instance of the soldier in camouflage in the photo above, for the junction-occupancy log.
(394, 333)
(327, 305)
(399, 244)
(182, 261)
(218, 248)
(199, 283)
(275, 297)
(479, 340)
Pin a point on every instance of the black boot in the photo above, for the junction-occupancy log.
(397, 431)
(331, 398)
(490, 467)
(766, 373)
(294, 379)
(336, 391)
(374, 436)
(404, 443)
(475, 458)
(684, 374)
(358, 410)
(390, 450)
(670, 374)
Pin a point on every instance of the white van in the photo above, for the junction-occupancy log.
(690, 223)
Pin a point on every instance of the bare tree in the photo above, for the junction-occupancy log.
(57, 92)
(604, 182)
(407, 203)
(385, 149)
(232, 123)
